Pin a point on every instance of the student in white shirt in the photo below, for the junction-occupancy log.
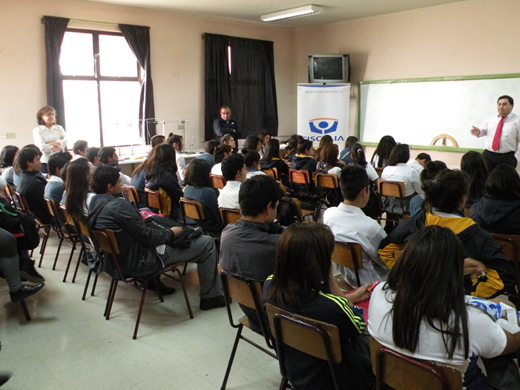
(349, 224)
(234, 172)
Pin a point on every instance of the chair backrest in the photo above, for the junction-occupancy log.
(157, 200)
(51, 208)
(390, 188)
(315, 338)
(130, 194)
(326, 180)
(192, 209)
(218, 181)
(406, 373)
(511, 247)
(273, 172)
(248, 293)
(299, 176)
(20, 202)
(105, 240)
(9, 194)
(349, 254)
(229, 215)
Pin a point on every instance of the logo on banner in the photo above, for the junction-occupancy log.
(323, 125)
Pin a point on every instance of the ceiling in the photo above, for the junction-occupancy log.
(250, 10)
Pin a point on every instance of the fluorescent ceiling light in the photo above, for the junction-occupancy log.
(292, 13)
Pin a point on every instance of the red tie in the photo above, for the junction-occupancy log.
(498, 133)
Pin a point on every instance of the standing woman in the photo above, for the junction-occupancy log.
(48, 136)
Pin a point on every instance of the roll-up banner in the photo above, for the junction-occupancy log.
(323, 109)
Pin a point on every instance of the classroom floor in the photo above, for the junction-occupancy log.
(69, 344)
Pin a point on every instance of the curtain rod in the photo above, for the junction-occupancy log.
(90, 21)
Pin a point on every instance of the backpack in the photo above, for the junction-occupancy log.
(15, 221)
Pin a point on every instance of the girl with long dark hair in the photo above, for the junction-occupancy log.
(422, 311)
(303, 284)
(161, 172)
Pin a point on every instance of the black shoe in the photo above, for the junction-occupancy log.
(165, 290)
(24, 292)
(212, 303)
(5, 376)
(28, 272)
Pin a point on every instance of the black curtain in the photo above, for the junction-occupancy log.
(138, 38)
(54, 31)
(250, 90)
(217, 82)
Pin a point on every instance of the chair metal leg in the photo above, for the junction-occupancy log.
(110, 299)
(284, 383)
(94, 285)
(58, 252)
(25, 310)
(183, 286)
(232, 357)
(72, 250)
(140, 311)
(82, 250)
(86, 285)
(46, 233)
(184, 270)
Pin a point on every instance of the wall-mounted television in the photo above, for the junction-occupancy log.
(329, 68)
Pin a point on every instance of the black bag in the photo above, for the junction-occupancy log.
(180, 241)
(15, 221)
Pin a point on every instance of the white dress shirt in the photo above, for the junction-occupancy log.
(42, 135)
(510, 133)
(228, 197)
(406, 174)
(350, 224)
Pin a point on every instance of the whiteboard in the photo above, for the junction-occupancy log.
(414, 111)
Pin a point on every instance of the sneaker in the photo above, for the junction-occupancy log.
(212, 303)
(28, 272)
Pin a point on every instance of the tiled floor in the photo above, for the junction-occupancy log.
(69, 344)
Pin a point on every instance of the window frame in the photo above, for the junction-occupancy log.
(97, 77)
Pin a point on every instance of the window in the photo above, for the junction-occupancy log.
(101, 88)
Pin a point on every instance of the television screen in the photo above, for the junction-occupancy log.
(328, 68)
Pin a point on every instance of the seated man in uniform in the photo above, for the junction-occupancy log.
(247, 247)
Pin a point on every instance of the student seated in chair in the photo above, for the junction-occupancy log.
(32, 183)
(303, 284)
(350, 224)
(248, 247)
(234, 171)
(138, 243)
